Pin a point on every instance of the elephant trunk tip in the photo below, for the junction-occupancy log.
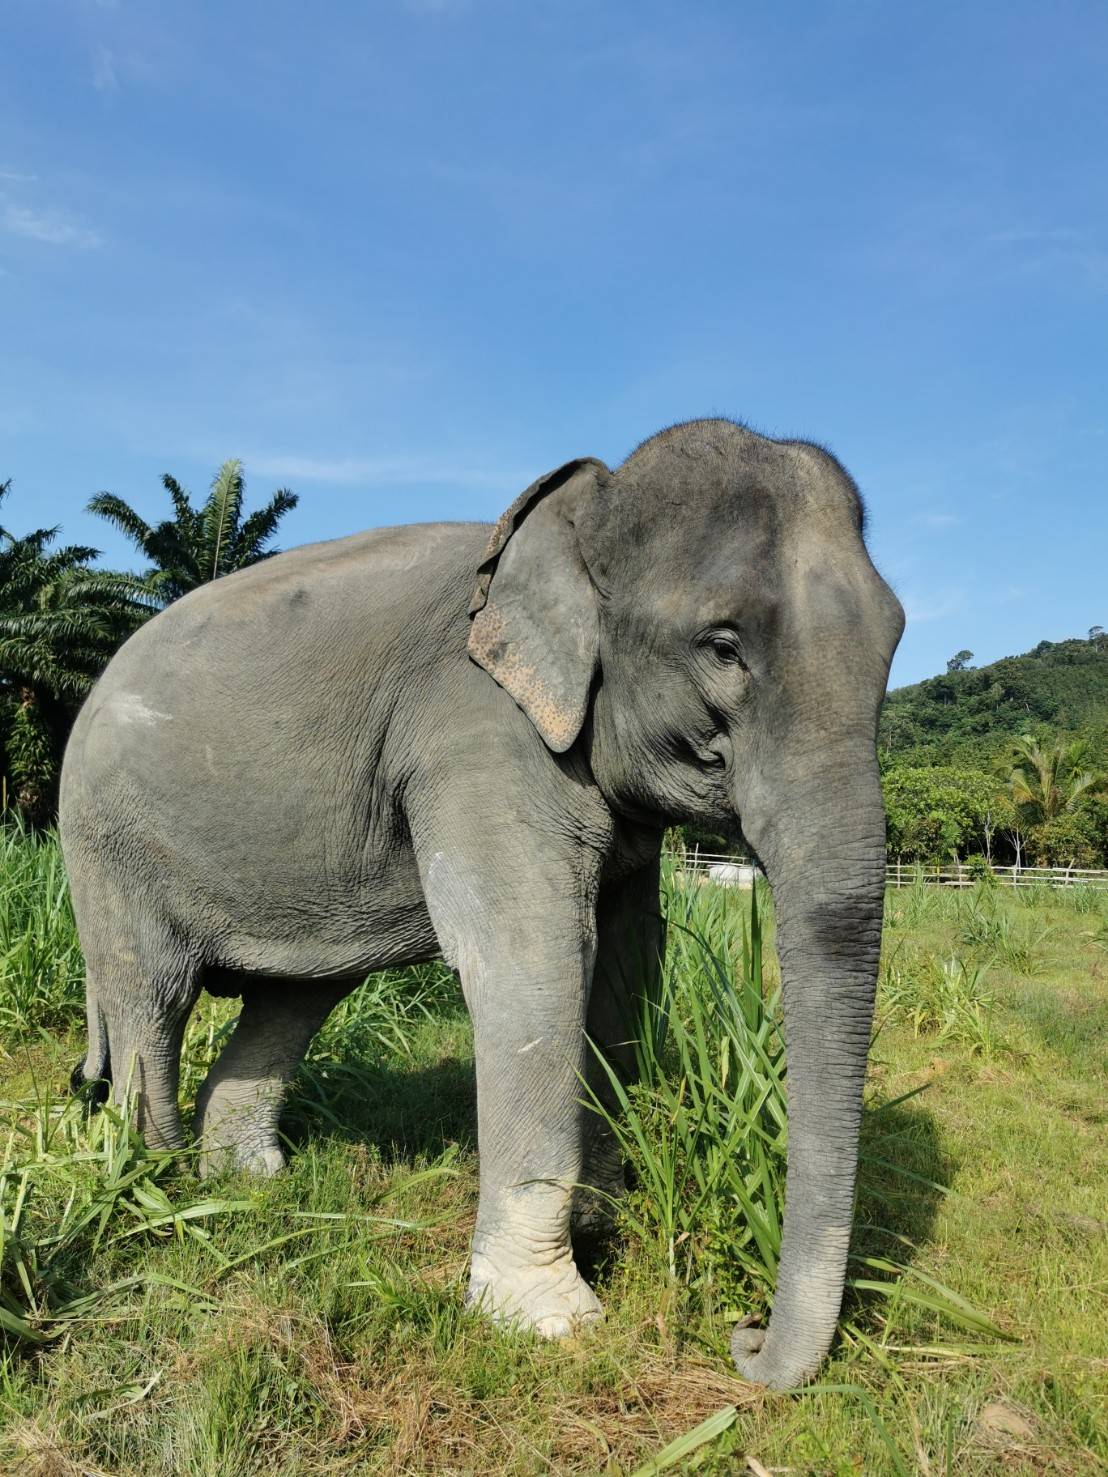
(93, 1090)
(92, 1076)
(759, 1360)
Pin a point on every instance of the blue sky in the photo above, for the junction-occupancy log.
(403, 257)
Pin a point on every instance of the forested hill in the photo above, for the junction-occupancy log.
(1060, 685)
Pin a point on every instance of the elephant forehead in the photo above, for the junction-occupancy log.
(686, 580)
(769, 594)
(671, 542)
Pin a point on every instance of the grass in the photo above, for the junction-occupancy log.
(41, 969)
(946, 998)
(156, 1323)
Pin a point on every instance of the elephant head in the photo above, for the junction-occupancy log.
(706, 620)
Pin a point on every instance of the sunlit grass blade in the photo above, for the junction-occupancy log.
(684, 1446)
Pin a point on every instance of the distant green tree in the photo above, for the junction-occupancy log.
(199, 544)
(939, 812)
(60, 623)
(1069, 840)
(959, 661)
(1095, 812)
(970, 718)
(1046, 783)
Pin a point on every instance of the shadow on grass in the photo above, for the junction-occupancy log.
(406, 1108)
(904, 1169)
(904, 1172)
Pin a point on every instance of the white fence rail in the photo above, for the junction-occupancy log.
(905, 874)
(740, 871)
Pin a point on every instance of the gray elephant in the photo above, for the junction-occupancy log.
(441, 740)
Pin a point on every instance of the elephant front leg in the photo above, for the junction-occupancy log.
(516, 920)
(530, 1055)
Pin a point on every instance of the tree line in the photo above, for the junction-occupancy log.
(1006, 761)
(1042, 803)
(62, 617)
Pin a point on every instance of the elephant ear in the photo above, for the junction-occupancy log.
(536, 629)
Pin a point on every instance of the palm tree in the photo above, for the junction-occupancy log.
(60, 623)
(1047, 783)
(198, 544)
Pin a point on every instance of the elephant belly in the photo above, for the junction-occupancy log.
(339, 927)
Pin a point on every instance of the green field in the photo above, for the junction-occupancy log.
(151, 1322)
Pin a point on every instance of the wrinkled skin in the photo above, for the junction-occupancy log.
(416, 742)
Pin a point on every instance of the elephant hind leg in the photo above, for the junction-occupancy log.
(626, 987)
(238, 1108)
(138, 1003)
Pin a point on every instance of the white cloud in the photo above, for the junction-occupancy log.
(374, 471)
(951, 244)
(934, 605)
(1021, 237)
(1061, 251)
(112, 69)
(49, 227)
(13, 177)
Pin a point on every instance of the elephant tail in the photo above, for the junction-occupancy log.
(91, 1077)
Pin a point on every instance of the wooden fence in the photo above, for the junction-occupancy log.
(907, 874)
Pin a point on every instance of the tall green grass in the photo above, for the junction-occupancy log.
(75, 1185)
(71, 1185)
(41, 969)
(705, 1126)
(944, 998)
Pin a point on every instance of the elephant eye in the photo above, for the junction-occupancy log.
(726, 649)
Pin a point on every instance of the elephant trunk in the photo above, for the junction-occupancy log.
(822, 841)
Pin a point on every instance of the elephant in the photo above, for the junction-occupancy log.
(445, 740)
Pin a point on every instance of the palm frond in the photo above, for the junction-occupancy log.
(119, 513)
(1079, 785)
(109, 584)
(260, 527)
(30, 544)
(222, 513)
(60, 562)
(182, 504)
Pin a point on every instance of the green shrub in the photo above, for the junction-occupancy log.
(943, 998)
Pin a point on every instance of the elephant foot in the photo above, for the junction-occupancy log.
(259, 1159)
(553, 1300)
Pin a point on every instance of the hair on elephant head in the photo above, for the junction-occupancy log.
(707, 618)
